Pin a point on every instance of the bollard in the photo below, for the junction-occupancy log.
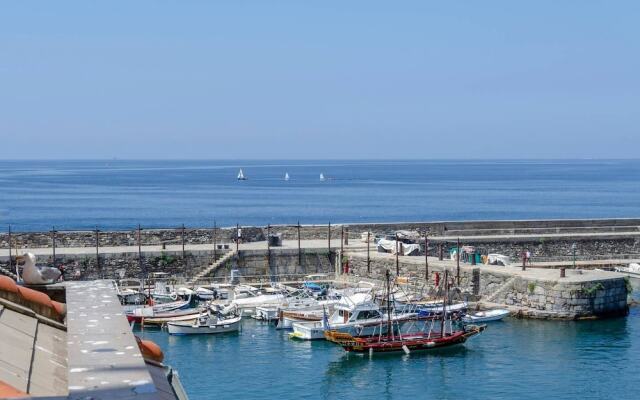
(562, 273)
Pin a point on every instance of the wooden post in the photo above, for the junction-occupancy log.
(346, 236)
(299, 251)
(214, 240)
(184, 259)
(140, 250)
(458, 263)
(53, 240)
(98, 252)
(238, 237)
(368, 250)
(397, 257)
(426, 257)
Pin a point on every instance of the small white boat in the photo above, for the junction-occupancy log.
(266, 313)
(486, 316)
(205, 324)
(286, 176)
(633, 270)
(322, 179)
(241, 176)
(204, 293)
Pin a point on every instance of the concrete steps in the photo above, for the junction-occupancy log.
(505, 286)
(212, 267)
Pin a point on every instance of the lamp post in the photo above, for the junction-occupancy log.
(573, 250)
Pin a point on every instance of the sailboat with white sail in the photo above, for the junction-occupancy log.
(241, 176)
(322, 178)
(286, 176)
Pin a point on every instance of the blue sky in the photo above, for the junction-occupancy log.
(326, 79)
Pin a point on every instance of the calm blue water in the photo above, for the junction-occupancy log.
(35, 195)
(513, 359)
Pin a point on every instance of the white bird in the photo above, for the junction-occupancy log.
(34, 275)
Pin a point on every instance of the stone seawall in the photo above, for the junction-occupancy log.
(577, 296)
(290, 232)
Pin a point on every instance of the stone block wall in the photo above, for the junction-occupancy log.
(537, 298)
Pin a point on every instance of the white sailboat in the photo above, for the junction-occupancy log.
(322, 179)
(241, 176)
(286, 176)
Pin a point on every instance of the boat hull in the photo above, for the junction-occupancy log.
(408, 343)
(181, 328)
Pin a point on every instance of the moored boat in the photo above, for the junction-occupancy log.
(205, 324)
(486, 316)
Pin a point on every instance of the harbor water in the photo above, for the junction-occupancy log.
(512, 359)
(36, 195)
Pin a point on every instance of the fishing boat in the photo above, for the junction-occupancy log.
(160, 318)
(241, 176)
(486, 316)
(206, 323)
(396, 341)
(286, 176)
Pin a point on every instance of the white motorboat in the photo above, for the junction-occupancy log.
(633, 270)
(204, 293)
(356, 315)
(247, 305)
(206, 323)
(486, 316)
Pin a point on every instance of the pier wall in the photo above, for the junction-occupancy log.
(562, 298)
(280, 263)
(449, 229)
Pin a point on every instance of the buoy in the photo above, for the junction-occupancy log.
(405, 348)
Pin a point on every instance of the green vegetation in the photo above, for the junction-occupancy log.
(627, 283)
(593, 289)
(531, 286)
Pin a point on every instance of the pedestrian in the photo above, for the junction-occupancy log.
(528, 257)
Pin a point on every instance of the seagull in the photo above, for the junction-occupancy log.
(34, 275)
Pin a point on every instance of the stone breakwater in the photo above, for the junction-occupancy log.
(547, 240)
(534, 293)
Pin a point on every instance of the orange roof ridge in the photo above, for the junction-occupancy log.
(37, 301)
(9, 392)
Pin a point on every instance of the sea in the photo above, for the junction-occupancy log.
(120, 194)
(512, 359)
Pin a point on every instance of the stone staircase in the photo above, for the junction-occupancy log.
(212, 267)
(501, 290)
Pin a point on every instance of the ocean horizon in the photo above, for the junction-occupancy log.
(120, 194)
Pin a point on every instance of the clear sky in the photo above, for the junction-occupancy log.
(322, 79)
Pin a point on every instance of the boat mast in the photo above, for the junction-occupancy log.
(444, 302)
(389, 330)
